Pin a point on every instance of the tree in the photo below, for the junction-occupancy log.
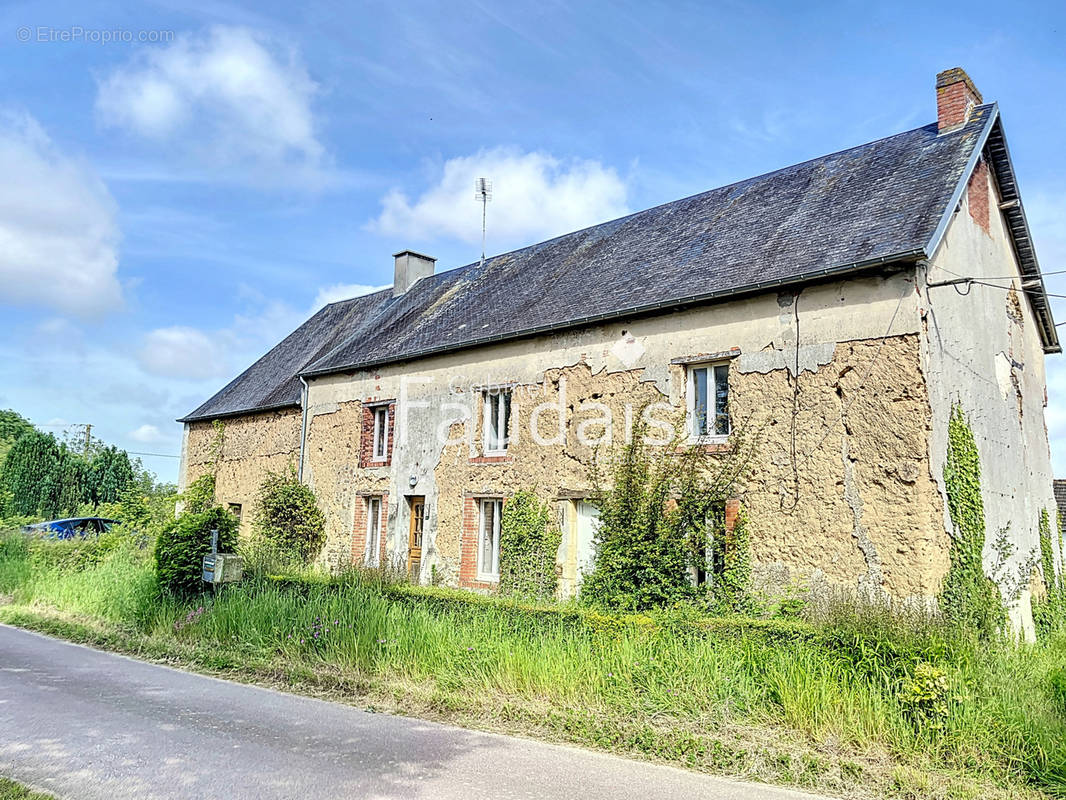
(112, 473)
(12, 426)
(29, 474)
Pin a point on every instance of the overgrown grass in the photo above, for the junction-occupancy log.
(820, 705)
(9, 790)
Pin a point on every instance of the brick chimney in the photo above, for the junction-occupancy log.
(956, 97)
(411, 267)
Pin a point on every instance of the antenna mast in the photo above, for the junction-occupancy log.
(483, 193)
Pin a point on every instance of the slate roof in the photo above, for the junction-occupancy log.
(274, 380)
(881, 202)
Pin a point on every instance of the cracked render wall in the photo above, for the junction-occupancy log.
(981, 350)
(252, 445)
(854, 441)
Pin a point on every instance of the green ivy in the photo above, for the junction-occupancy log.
(968, 596)
(731, 589)
(1049, 612)
(529, 543)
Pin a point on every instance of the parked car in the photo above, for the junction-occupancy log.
(71, 528)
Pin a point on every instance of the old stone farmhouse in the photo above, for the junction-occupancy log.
(845, 305)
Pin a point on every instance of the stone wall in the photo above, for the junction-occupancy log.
(839, 491)
(251, 446)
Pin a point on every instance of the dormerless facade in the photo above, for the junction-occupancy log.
(820, 306)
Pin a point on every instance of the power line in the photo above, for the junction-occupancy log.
(157, 455)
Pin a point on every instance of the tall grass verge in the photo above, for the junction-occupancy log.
(822, 703)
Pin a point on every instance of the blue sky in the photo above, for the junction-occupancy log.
(170, 209)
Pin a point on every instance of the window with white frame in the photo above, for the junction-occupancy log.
(497, 413)
(488, 540)
(708, 400)
(381, 433)
(373, 531)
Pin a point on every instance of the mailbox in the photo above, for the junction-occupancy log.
(221, 567)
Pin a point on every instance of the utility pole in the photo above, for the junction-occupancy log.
(88, 438)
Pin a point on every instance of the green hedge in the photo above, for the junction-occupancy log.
(525, 616)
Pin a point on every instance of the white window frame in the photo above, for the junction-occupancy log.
(495, 442)
(490, 571)
(710, 414)
(380, 451)
(372, 557)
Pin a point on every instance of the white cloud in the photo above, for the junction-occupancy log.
(148, 434)
(58, 234)
(183, 352)
(342, 291)
(535, 195)
(230, 95)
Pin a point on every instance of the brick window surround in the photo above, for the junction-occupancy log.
(469, 544)
(366, 434)
(359, 522)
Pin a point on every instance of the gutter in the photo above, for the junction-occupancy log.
(905, 257)
(237, 413)
(303, 428)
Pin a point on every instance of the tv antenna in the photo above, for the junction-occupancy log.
(483, 194)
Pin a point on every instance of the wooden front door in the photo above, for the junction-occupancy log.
(414, 541)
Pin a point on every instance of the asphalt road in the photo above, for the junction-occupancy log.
(89, 725)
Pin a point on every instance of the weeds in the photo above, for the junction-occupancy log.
(802, 702)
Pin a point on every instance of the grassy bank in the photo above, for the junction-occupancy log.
(9, 790)
(862, 705)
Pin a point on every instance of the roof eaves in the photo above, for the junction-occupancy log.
(707, 297)
(1021, 239)
(194, 417)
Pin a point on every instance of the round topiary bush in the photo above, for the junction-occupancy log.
(182, 545)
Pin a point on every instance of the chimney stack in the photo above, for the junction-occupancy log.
(956, 97)
(411, 267)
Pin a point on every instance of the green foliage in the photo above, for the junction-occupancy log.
(529, 543)
(659, 518)
(12, 426)
(111, 474)
(968, 596)
(640, 561)
(925, 695)
(42, 477)
(200, 495)
(287, 516)
(27, 473)
(699, 691)
(1057, 686)
(1049, 611)
(730, 591)
(182, 545)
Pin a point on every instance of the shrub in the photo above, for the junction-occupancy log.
(659, 518)
(529, 543)
(288, 516)
(181, 547)
(200, 495)
(924, 696)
